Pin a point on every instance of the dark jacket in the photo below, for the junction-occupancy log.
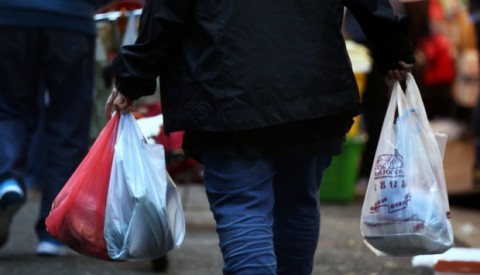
(76, 15)
(236, 65)
(256, 77)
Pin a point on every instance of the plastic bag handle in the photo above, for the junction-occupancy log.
(410, 107)
(414, 100)
(397, 102)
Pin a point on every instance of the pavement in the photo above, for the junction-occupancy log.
(340, 248)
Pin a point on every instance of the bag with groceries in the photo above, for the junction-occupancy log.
(120, 203)
(77, 216)
(405, 210)
(144, 218)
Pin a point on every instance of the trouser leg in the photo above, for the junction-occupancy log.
(20, 84)
(296, 214)
(240, 194)
(68, 62)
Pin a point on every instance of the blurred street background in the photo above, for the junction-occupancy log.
(340, 248)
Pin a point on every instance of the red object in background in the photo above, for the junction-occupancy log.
(182, 169)
(435, 10)
(172, 142)
(457, 267)
(440, 65)
(122, 5)
(151, 109)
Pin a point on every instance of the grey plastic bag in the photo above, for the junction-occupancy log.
(144, 218)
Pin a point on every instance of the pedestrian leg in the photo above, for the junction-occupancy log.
(240, 194)
(296, 214)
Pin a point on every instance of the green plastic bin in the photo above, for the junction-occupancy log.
(339, 180)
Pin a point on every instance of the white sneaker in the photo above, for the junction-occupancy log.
(11, 199)
(46, 248)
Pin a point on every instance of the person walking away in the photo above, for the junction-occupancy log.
(265, 93)
(47, 50)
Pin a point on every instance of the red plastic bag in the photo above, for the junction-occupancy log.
(77, 216)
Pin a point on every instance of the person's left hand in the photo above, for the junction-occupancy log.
(399, 74)
(119, 102)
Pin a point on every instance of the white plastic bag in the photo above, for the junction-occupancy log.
(405, 210)
(144, 218)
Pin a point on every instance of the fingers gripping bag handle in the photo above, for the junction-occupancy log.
(77, 215)
(405, 210)
(144, 216)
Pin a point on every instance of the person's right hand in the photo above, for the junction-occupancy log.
(119, 102)
(398, 74)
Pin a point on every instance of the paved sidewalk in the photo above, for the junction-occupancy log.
(340, 249)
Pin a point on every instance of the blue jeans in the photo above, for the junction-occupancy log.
(267, 211)
(33, 62)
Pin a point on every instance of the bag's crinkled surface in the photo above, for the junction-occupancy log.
(406, 210)
(78, 212)
(144, 216)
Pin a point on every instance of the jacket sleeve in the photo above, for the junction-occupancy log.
(387, 33)
(137, 66)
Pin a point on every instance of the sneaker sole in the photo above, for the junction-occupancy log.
(46, 249)
(6, 215)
